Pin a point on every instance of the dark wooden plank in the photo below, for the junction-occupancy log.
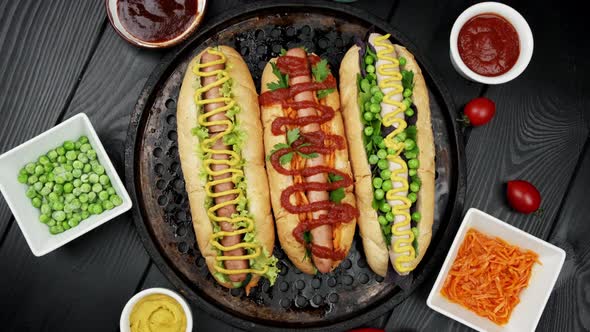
(568, 307)
(41, 58)
(101, 270)
(428, 25)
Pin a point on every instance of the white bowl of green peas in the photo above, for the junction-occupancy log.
(61, 184)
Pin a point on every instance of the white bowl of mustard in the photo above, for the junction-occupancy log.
(156, 309)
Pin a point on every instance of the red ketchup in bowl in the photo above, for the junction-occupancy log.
(488, 44)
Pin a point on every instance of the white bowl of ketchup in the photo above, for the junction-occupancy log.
(498, 51)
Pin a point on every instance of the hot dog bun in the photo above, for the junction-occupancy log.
(257, 193)
(286, 222)
(374, 244)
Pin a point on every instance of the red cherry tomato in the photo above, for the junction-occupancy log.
(367, 329)
(479, 111)
(523, 196)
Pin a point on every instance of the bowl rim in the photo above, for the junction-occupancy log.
(522, 29)
(126, 312)
(67, 237)
(202, 5)
(458, 240)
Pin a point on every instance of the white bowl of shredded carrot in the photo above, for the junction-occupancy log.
(496, 277)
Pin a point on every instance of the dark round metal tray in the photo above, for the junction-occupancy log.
(345, 298)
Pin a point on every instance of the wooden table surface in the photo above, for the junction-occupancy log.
(59, 58)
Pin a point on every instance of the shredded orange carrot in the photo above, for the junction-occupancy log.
(488, 275)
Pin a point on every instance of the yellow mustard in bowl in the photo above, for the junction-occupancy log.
(157, 312)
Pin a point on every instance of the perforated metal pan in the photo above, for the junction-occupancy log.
(345, 298)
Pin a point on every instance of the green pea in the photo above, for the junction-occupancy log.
(111, 191)
(84, 177)
(78, 165)
(91, 196)
(375, 89)
(103, 195)
(22, 178)
(407, 92)
(85, 187)
(365, 85)
(36, 201)
(97, 209)
(85, 147)
(30, 168)
(83, 139)
(104, 180)
(378, 96)
(68, 187)
(84, 207)
(32, 179)
(58, 206)
(416, 232)
(68, 168)
(69, 197)
(61, 159)
(401, 137)
(73, 222)
(411, 154)
(370, 69)
(53, 230)
(107, 205)
(391, 152)
(39, 170)
(367, 106)
(49, 184)
(83, 198)
(386, 174)
(382, 164)
(369, 60)
(48, 168)
(412, 172)
(116, 200)
(82, 157)
(75, 205)
(71, 155)
(402, 61)
(416, 216)
(93, 178)
(60, 151)
(368, 131)
(379, 194)
(368, 116)
(385, 207)
(382, 154)
(59, 215)
(97, 187)
(58, 188)
(87, 168)
(44, 218)
(412, 197)
(377, 182)
(375, 108)
(51, 222)
(414, 187)
(77, 145)
(68, 145)
(372, 76)
(77, 183)
(38, 186)
(45, 191)
(43, 160)
(76, 173)
(77, 192)
(52, 155)
(407, 102)
(409, 144)
(413, 163)
(382, 220)
(409, 112)
(65, 225)
(68, 209)
(389, 216)
(85, 214)
(52, 197)
(381, 143)
(417, 180)
(387, 185)
(386, 230)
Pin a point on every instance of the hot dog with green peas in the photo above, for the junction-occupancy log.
(387, 121)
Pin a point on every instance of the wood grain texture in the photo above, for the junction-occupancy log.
(41, 57)
(569, 306)
(428, 25)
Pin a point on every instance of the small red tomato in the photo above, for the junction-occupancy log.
(479, 111)
(523, 196)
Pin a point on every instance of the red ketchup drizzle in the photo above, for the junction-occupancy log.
(315, 142)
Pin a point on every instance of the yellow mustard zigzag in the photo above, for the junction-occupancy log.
(403, 239)
(232, 162)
